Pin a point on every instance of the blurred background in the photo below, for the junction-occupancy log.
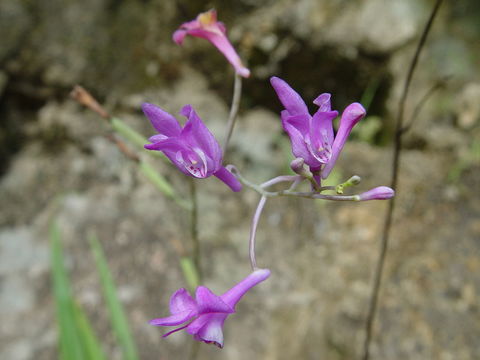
(56, 164)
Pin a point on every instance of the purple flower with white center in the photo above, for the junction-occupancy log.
(207, 27)
(203, 317)
(192, 149)
(312, 137)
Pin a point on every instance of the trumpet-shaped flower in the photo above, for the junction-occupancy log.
(203, 317)
(192, 149)
(207, 27)
(312, 137)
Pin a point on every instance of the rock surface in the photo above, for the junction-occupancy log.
(56, 164)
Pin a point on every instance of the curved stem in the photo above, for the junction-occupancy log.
(237, 92)
(290, 178)
(253, 232)
(279, 179)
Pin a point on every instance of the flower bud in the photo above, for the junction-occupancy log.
(297, 166)
(378, 193)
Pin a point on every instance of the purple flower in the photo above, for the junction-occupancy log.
(204, 317)
(207, 27)
(312, 137)
(378, 193)
(192, 149)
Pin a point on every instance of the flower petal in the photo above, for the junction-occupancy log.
(292, 101)
(299, 145)
(352, 114)
(222, 43)
(212, 331)
(181, 301)
(208, 302)
(179, 35)
(197, 135)
(162, 121)
(321, 132)
(232, 296)
(229, 179)
(323, 102)
(175, 319)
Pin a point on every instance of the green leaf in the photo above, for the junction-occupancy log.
(137, 139)
(117, 316)
(90, 342)
(70, 347)
(162, 184)
(128, 133)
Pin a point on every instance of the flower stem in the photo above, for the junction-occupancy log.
(399, 132)
(237, 94)
(253, 231)
(194, 228)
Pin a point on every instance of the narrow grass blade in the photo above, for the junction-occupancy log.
(117, 315)
(137, 139)
(162, 184)
(89, 340)
(189, 272)
(70, 347)
(128, 133)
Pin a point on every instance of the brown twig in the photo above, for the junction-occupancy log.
(86, 99)
(394, 180)
(418, 108)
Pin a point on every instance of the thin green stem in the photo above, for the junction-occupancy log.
(194, 228)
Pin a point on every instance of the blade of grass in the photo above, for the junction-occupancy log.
(190, 272)
(89, 340)
(137, 139)
(117, 315)
(162, 184)
(70, 347)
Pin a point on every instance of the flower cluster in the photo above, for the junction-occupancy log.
(312, 136)
(195, 152)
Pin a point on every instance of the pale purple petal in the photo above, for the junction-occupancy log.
(181, 301)
(208, 302)
(171, 147)
(350, 116)
(162, 121)
(222, 43)
(378, 193)
(175, 330)
(233, 296)
(323, 102)
(321, 131)
(300, 121)
(229, 179)
(299, 146)
(157, 138)
(292, 101)
(173, 320)
(196, 134)
(212, 331)
(179, 35)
